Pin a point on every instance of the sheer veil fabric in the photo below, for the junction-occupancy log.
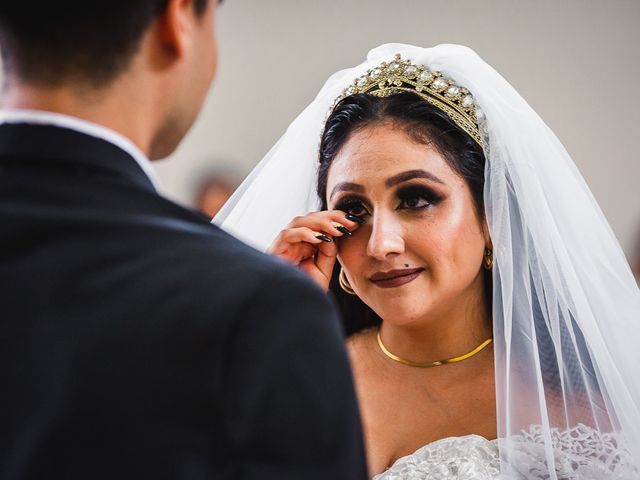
(566, 307)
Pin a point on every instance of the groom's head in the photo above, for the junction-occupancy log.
(106, 45)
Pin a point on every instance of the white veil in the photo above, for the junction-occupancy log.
(566, 307)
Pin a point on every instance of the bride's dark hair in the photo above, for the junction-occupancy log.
(425, 124)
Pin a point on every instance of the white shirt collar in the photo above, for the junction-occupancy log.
(40, 117)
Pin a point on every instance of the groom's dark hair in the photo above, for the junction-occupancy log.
(91, 41)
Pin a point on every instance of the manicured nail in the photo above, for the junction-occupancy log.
(324, 238)
(343, 229)
(354, 218)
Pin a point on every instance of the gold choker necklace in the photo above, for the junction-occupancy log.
(432, 364)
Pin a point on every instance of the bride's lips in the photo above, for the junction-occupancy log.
(395, 278)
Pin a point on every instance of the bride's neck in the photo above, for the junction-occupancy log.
(443, 335)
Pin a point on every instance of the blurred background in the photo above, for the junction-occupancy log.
(576, 61)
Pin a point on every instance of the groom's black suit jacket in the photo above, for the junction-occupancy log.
(139, 341)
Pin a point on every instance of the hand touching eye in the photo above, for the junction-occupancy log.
(354, 206)
(307, 242)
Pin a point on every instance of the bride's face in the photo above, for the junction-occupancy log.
(419, 253)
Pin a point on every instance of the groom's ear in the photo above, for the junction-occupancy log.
(175, 26)
(181, 47)
(178, 23)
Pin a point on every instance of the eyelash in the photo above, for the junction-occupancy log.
(415, 192)
(356, 206)
(351, 204)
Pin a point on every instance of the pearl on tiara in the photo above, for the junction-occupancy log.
(400, 75)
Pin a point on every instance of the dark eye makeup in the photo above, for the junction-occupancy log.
(416, 197)
(410, 197)
(353, 205)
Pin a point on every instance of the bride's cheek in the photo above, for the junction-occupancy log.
(352, 255)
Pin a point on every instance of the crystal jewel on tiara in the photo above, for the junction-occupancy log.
(444, 93)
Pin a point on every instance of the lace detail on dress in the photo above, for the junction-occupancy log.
(579, 453)
(468, 457)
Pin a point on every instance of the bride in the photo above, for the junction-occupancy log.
(492, 319)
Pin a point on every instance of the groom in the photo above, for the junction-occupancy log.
(137, 341)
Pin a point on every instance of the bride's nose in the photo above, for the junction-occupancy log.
(386, 237)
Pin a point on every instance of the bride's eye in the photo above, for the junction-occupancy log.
(416, 198)
(415, 202)
(353, 206)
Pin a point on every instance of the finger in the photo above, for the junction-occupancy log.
(348, 220)
(326, 259)
(317, 275)
(333, 222)
(304, 234)
(304, 246)
(292, 236)
(354, 218)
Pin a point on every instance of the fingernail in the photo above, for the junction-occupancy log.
(354, 218)
(324, 238)
(344, 230)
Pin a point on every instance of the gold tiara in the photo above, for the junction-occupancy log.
(400, 75)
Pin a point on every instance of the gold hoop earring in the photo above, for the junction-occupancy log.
(487, 261)
(344, 283)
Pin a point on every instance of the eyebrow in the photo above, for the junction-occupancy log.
(410, 175)
(346, 187)
(390, 182)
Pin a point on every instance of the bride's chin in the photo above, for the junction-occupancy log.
(401, 315)
(401, 309)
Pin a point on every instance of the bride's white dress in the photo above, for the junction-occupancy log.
(579, 453)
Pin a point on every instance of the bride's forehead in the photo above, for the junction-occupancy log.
(379, 138)
(373, 161)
